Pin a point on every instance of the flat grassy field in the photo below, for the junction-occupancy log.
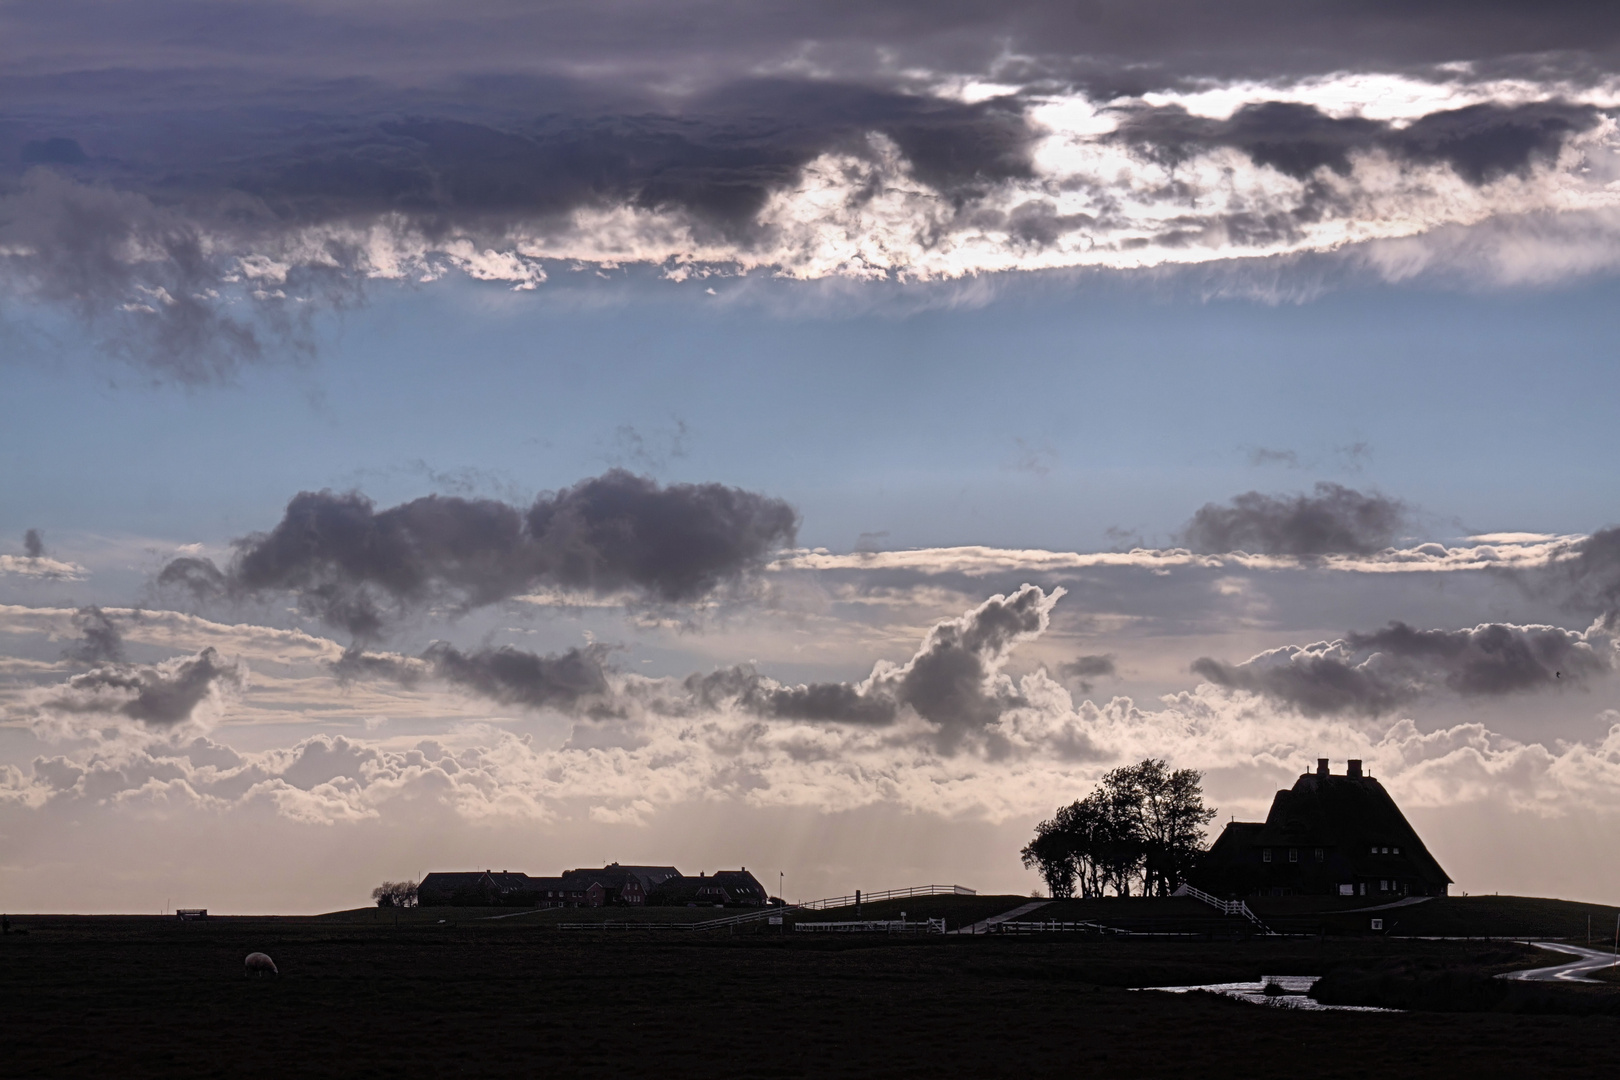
(358, 997)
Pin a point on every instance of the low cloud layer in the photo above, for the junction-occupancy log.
(358, 568)
(1374, 674)
(1332, 520)
(1505, 552)
(977, 715)
(1050, 748)
(963, 727)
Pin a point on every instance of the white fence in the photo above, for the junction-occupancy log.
(886, 894)
(874, 926)
(1226, 907)
(650, 924)
(775, 912)
(1053, 926)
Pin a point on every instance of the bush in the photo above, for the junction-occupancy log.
(395, 894)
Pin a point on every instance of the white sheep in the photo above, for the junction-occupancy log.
(258, 962)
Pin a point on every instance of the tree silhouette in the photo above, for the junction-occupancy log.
(1143, 826)
(395, 894)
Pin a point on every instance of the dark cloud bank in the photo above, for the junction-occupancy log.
(199, 148)
(1372, 674)
(1332, 520)
(359, 568)
(477, 159)
(563, 681)
(657, 42)
(1480, 143)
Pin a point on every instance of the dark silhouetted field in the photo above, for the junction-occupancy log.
(358, 996)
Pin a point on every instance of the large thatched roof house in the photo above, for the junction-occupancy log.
(1327, 836)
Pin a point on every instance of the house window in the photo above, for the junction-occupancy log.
(1265, 855)
(1348, 889)
(1383, 886)
(1378, 924)
(1375, 849)
(1395, 851)
(1318, 854)
(1293, 854)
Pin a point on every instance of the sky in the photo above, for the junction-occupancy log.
(823, 438)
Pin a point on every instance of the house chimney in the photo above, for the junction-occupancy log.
(1321, 766)
(1355, 768)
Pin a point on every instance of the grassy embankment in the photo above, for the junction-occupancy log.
(955, 910)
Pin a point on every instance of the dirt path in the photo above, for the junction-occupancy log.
(1408, 902)
(1586, 960)
(984, 924)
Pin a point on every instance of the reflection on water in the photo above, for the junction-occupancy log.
(1286, 992)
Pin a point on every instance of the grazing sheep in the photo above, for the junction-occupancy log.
(258, 962)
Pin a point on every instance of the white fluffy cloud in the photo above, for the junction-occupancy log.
(1490, 551)
(41, 566)
(1046, 753)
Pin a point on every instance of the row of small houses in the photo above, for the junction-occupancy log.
(611, 885)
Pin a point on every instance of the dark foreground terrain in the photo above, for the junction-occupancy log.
(360, 996)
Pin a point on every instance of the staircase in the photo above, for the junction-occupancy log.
(1226, 907)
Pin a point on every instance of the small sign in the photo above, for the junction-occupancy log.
(1378, 924)
(775, 920)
